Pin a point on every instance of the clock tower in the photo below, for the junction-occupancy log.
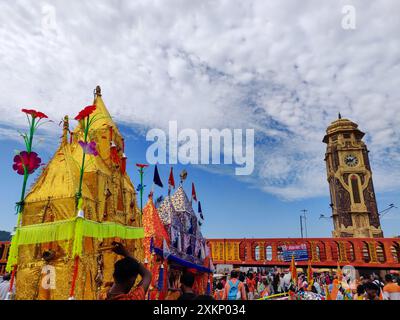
(353, 203)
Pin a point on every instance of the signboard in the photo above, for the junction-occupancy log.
(225, 250)
(299, 251)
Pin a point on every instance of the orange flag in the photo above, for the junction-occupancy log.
(339, 272)
(335, 289)
(309, 275)
(293, 271)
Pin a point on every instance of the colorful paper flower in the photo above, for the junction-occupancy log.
(29, 160)
(87, 111)
(140, 165)
(89, 147)
(34, 113)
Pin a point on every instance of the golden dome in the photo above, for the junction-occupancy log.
(342, 125)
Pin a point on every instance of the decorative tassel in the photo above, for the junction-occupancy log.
(123, 163)
(74, 276)
(10, 289)
(114, 153)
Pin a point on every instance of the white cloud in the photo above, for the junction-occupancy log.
(282, 67)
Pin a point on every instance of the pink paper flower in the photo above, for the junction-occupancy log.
(29, 160)
(89, 147)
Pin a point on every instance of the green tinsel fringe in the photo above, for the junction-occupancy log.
(76, 229)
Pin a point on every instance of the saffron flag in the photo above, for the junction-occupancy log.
(194, 197)
(200, 211)
(339, 272)
(293, 271)
(156, 178)
(309, 275)
(335, 289)
(171, 180)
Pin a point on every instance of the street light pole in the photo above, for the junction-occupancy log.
(305, 221)
(301, 226)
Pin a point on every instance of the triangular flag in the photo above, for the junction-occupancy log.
(200, 211)
(171, 180)
(194, 197)
(151, 244)
(156, 178)
(158, 201)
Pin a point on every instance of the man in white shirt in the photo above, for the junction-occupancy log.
(5, 286)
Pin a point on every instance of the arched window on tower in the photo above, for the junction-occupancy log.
(257, 253)
(280, 253)
(335, 251)
(395, 249)
(365, 252)
(318, 252)
(380, 252)
(355, 189)
(268, 253)
(350, 251)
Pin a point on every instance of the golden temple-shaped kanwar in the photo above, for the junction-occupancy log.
(108, 196)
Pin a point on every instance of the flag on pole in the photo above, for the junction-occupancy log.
(171, 181)
(310, 279)
(194, 197)
(156, 179)
(293, 271)
(200, 212)
(338, 272)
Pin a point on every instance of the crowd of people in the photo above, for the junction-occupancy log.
(326, 285)
(250, 285)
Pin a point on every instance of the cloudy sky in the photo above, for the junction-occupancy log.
(284, 68)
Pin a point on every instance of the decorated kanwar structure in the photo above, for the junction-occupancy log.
(81, 202)
(174, 243)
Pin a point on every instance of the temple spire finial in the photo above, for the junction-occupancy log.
(65, 130)
(339, 116)
(97, 91)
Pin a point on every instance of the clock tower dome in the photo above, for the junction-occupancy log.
(353, 202)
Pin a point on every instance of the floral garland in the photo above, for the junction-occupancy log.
(27, 161)
(89, 148)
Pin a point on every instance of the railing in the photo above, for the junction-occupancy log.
(4, 248)
(323, 252)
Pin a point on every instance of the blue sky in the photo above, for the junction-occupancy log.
(284, 68)
(232, 208)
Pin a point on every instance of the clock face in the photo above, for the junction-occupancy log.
(351, 160)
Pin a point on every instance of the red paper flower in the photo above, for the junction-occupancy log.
(34, 113)
(139, 165)
(29, 160)
(87, 111)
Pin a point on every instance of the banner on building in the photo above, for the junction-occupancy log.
(299, 251)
